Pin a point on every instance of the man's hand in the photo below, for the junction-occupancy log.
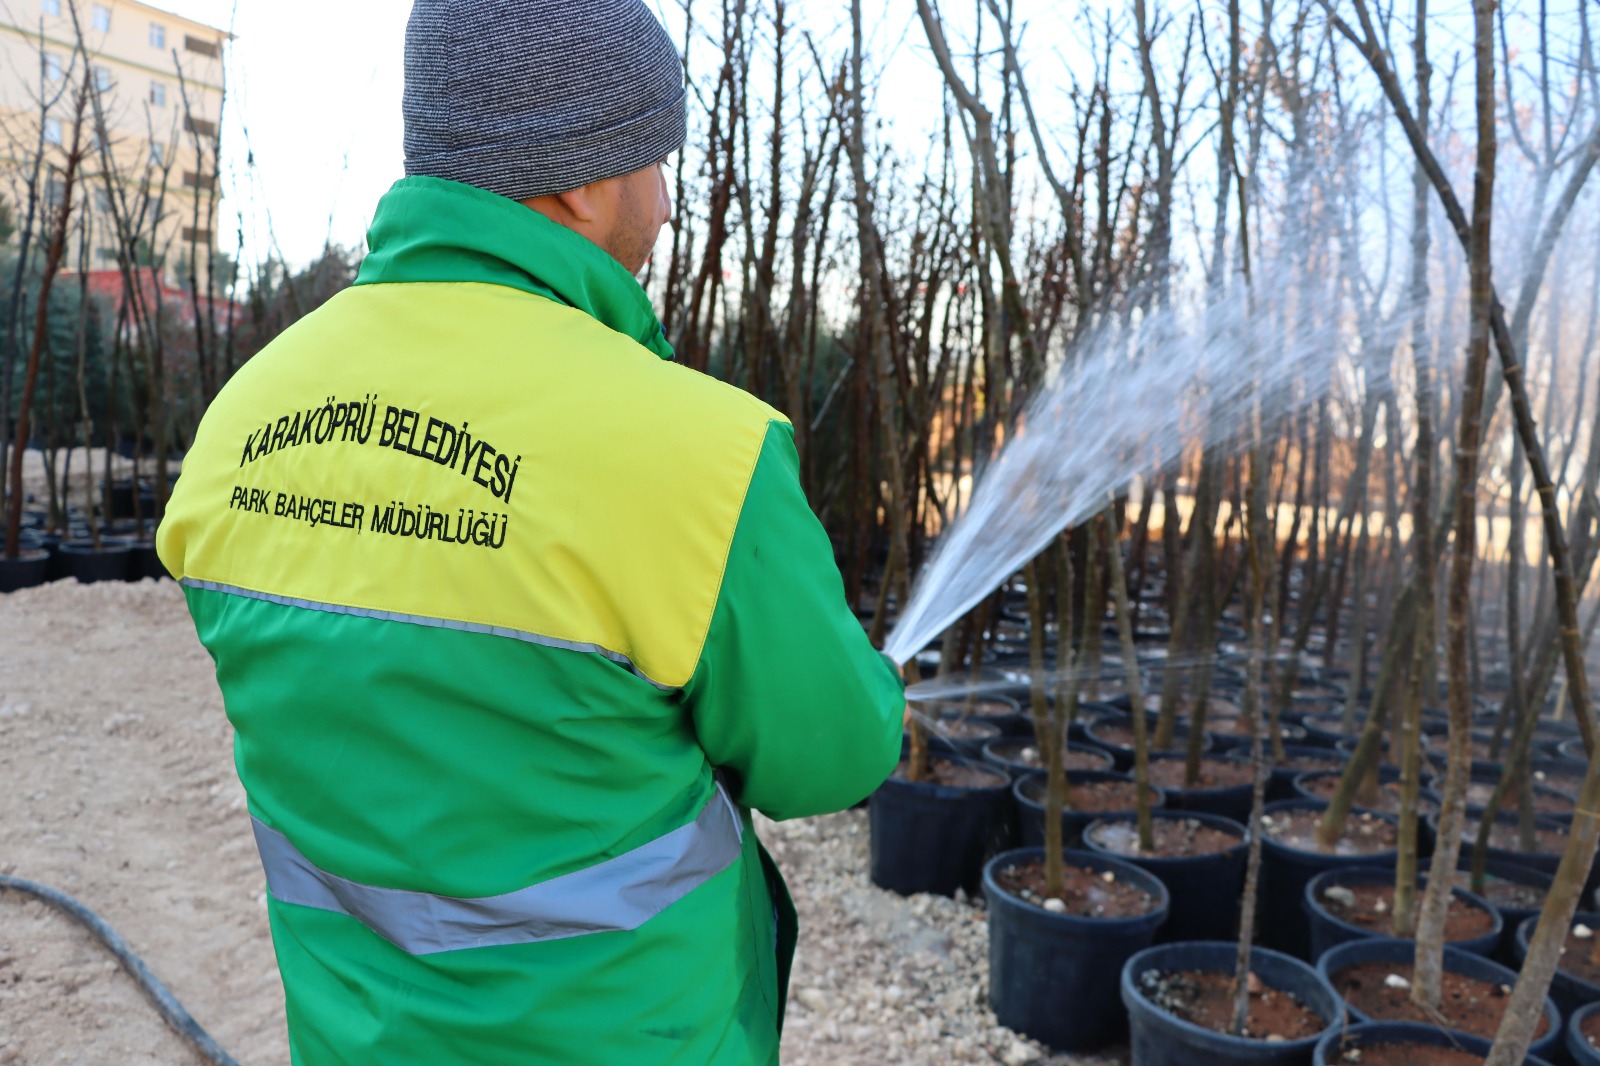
(905, 719)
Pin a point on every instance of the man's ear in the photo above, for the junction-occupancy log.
(579, 203)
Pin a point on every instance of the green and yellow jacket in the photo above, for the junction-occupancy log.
(516, 620)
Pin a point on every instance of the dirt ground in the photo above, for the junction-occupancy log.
(117, 787)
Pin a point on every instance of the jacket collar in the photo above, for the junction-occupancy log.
(429, 229)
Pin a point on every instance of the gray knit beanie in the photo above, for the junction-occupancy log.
(530, 97)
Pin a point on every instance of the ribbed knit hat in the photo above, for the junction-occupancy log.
(530, 97)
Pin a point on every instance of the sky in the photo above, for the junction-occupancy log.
(313, 130)
(313, 133)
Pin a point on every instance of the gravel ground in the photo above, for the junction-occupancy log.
(119, 789)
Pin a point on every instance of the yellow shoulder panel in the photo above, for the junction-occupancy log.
(466, 453)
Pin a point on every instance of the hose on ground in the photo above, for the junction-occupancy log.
(172, 1011)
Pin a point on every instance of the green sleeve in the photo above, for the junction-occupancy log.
(789, 695)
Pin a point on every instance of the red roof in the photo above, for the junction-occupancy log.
(110, 285)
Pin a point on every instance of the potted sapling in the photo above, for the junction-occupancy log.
(1215, 1001)
(1062, 923)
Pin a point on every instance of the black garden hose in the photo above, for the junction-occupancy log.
(171, 1010)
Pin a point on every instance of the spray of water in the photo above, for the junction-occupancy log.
(1126, 401)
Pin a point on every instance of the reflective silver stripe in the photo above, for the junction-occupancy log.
(424, 620)
(620, 893)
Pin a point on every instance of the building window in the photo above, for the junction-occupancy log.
(52, 67)
(204, 127)
(197, 236)
(100, 18)
(51, 7)
(158, 154)
(210, 49)
(52, 131)
(158, 35)
(102, 201)
(192, 180)
(102, 79)
(158, 94)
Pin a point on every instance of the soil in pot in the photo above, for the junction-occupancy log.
(1577, 955)
(955, 774)
(1505, 836)
(1589, 1029)
(1372, 908)
(1323, 786)
(1567, 781)
(1364, 833)
(1219, 708)
(1328, 727)
(1401, 1054)
(1467, 1004)
(1215, 773)
(1120, 735)
(1092, 797)
(1546, 800)
(1088, 894)
(982, 707)
(1298, 761)
(1481, 748)
(1235, 731)
(1206, 1000)
(1174, 838)
(1026, 754)
(1507, 895)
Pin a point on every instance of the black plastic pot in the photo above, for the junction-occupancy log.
(927, 837)
(31, 567)
(120, 496)
(89, 564)
(1333, 1047)
(1001, 753)
(1329, 930)
(1231, 801)
(1579, 1050)
(1505, 952)
(1285, 871)
(1053, 977)
(1205, 889)
(1161, 1039)
(1029, 792)
(1569, 992)
(1458, 962)
(49, 540)
(143, 562)
(1280, 786)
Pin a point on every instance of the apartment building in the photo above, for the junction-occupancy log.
(159, 79)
